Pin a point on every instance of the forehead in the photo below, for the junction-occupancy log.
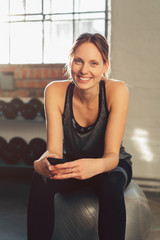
(88, 50)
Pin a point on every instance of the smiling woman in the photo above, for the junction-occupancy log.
(87, 65)
(86, 118)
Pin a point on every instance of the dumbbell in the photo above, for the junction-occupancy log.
(28, 111)
(18, 103)
(16, 150)
(36, 148)
(39, 107)
(2, 104)
(3, 147)
(10, 111)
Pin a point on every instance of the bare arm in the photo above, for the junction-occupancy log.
(54, 119)
(86, 168)
(53, 111)
(119, 102)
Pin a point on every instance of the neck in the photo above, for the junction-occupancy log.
(87, 95)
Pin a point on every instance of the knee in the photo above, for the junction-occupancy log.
(115, 180)
(112, 184)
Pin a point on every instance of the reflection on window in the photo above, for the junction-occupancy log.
(141, 140)
(43, 31)
(22, 35)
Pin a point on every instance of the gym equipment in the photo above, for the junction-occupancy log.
(38, 105)
(20, 146)
(3, 146)
(41, 110)
(18, 103)
(17, 107)
(9, 111)
(76, 215)
(9, 153)
(28, 111)
(15, 151)
(36, 148)
(2, 104)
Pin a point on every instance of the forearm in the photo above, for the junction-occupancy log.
(85, 167)
(109, 161)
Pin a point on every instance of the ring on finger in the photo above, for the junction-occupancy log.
(72, 170)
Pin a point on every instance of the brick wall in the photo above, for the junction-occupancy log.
(29, 80)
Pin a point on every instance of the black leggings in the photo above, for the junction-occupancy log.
(109, 189)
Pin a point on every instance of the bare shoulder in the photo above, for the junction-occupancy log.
(116, 91)
(55, 93)
(57, 87)
(113, 85)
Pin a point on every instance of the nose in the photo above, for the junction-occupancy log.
(84, 69)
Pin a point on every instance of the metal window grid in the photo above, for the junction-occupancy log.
(45, 17)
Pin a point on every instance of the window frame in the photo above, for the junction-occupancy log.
(44, 19)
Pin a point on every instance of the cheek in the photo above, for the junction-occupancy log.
(98, 72)
(73, 67)
(73, 71)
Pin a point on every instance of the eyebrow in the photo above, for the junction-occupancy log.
(92, 60)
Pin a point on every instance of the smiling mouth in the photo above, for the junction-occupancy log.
(84, 78)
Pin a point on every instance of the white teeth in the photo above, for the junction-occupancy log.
(84, 79)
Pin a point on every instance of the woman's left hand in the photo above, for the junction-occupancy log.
(80, 169)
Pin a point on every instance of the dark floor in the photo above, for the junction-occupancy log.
(13, 208)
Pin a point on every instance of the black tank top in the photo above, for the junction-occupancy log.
(86, 142)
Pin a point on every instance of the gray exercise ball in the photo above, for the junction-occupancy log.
(76, 215)
(137, 213)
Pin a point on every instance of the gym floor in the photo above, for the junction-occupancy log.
(13, 208)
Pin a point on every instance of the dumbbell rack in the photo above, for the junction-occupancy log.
(20, 127)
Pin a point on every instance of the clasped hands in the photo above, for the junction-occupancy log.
(80, 169)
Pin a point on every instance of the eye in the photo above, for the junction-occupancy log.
(78, 60)
(94, 63)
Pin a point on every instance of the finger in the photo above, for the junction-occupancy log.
(65, 176)
(63, 171)
(55, 167)
(51, 167)
(51, 176)
(66, 165)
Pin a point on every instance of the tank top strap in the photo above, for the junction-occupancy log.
(68, 99)
(103, 98)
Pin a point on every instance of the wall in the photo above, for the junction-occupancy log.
(28, 80)
(135, 59)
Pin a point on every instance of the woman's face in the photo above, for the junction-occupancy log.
(87, 66)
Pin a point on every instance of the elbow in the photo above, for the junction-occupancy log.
(111, 161)
(117, 161)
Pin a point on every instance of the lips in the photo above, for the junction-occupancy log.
(85, 79)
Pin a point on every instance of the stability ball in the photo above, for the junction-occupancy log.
(76, 215)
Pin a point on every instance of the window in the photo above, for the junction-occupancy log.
(43, 31)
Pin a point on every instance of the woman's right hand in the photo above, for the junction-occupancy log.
(41, 165)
